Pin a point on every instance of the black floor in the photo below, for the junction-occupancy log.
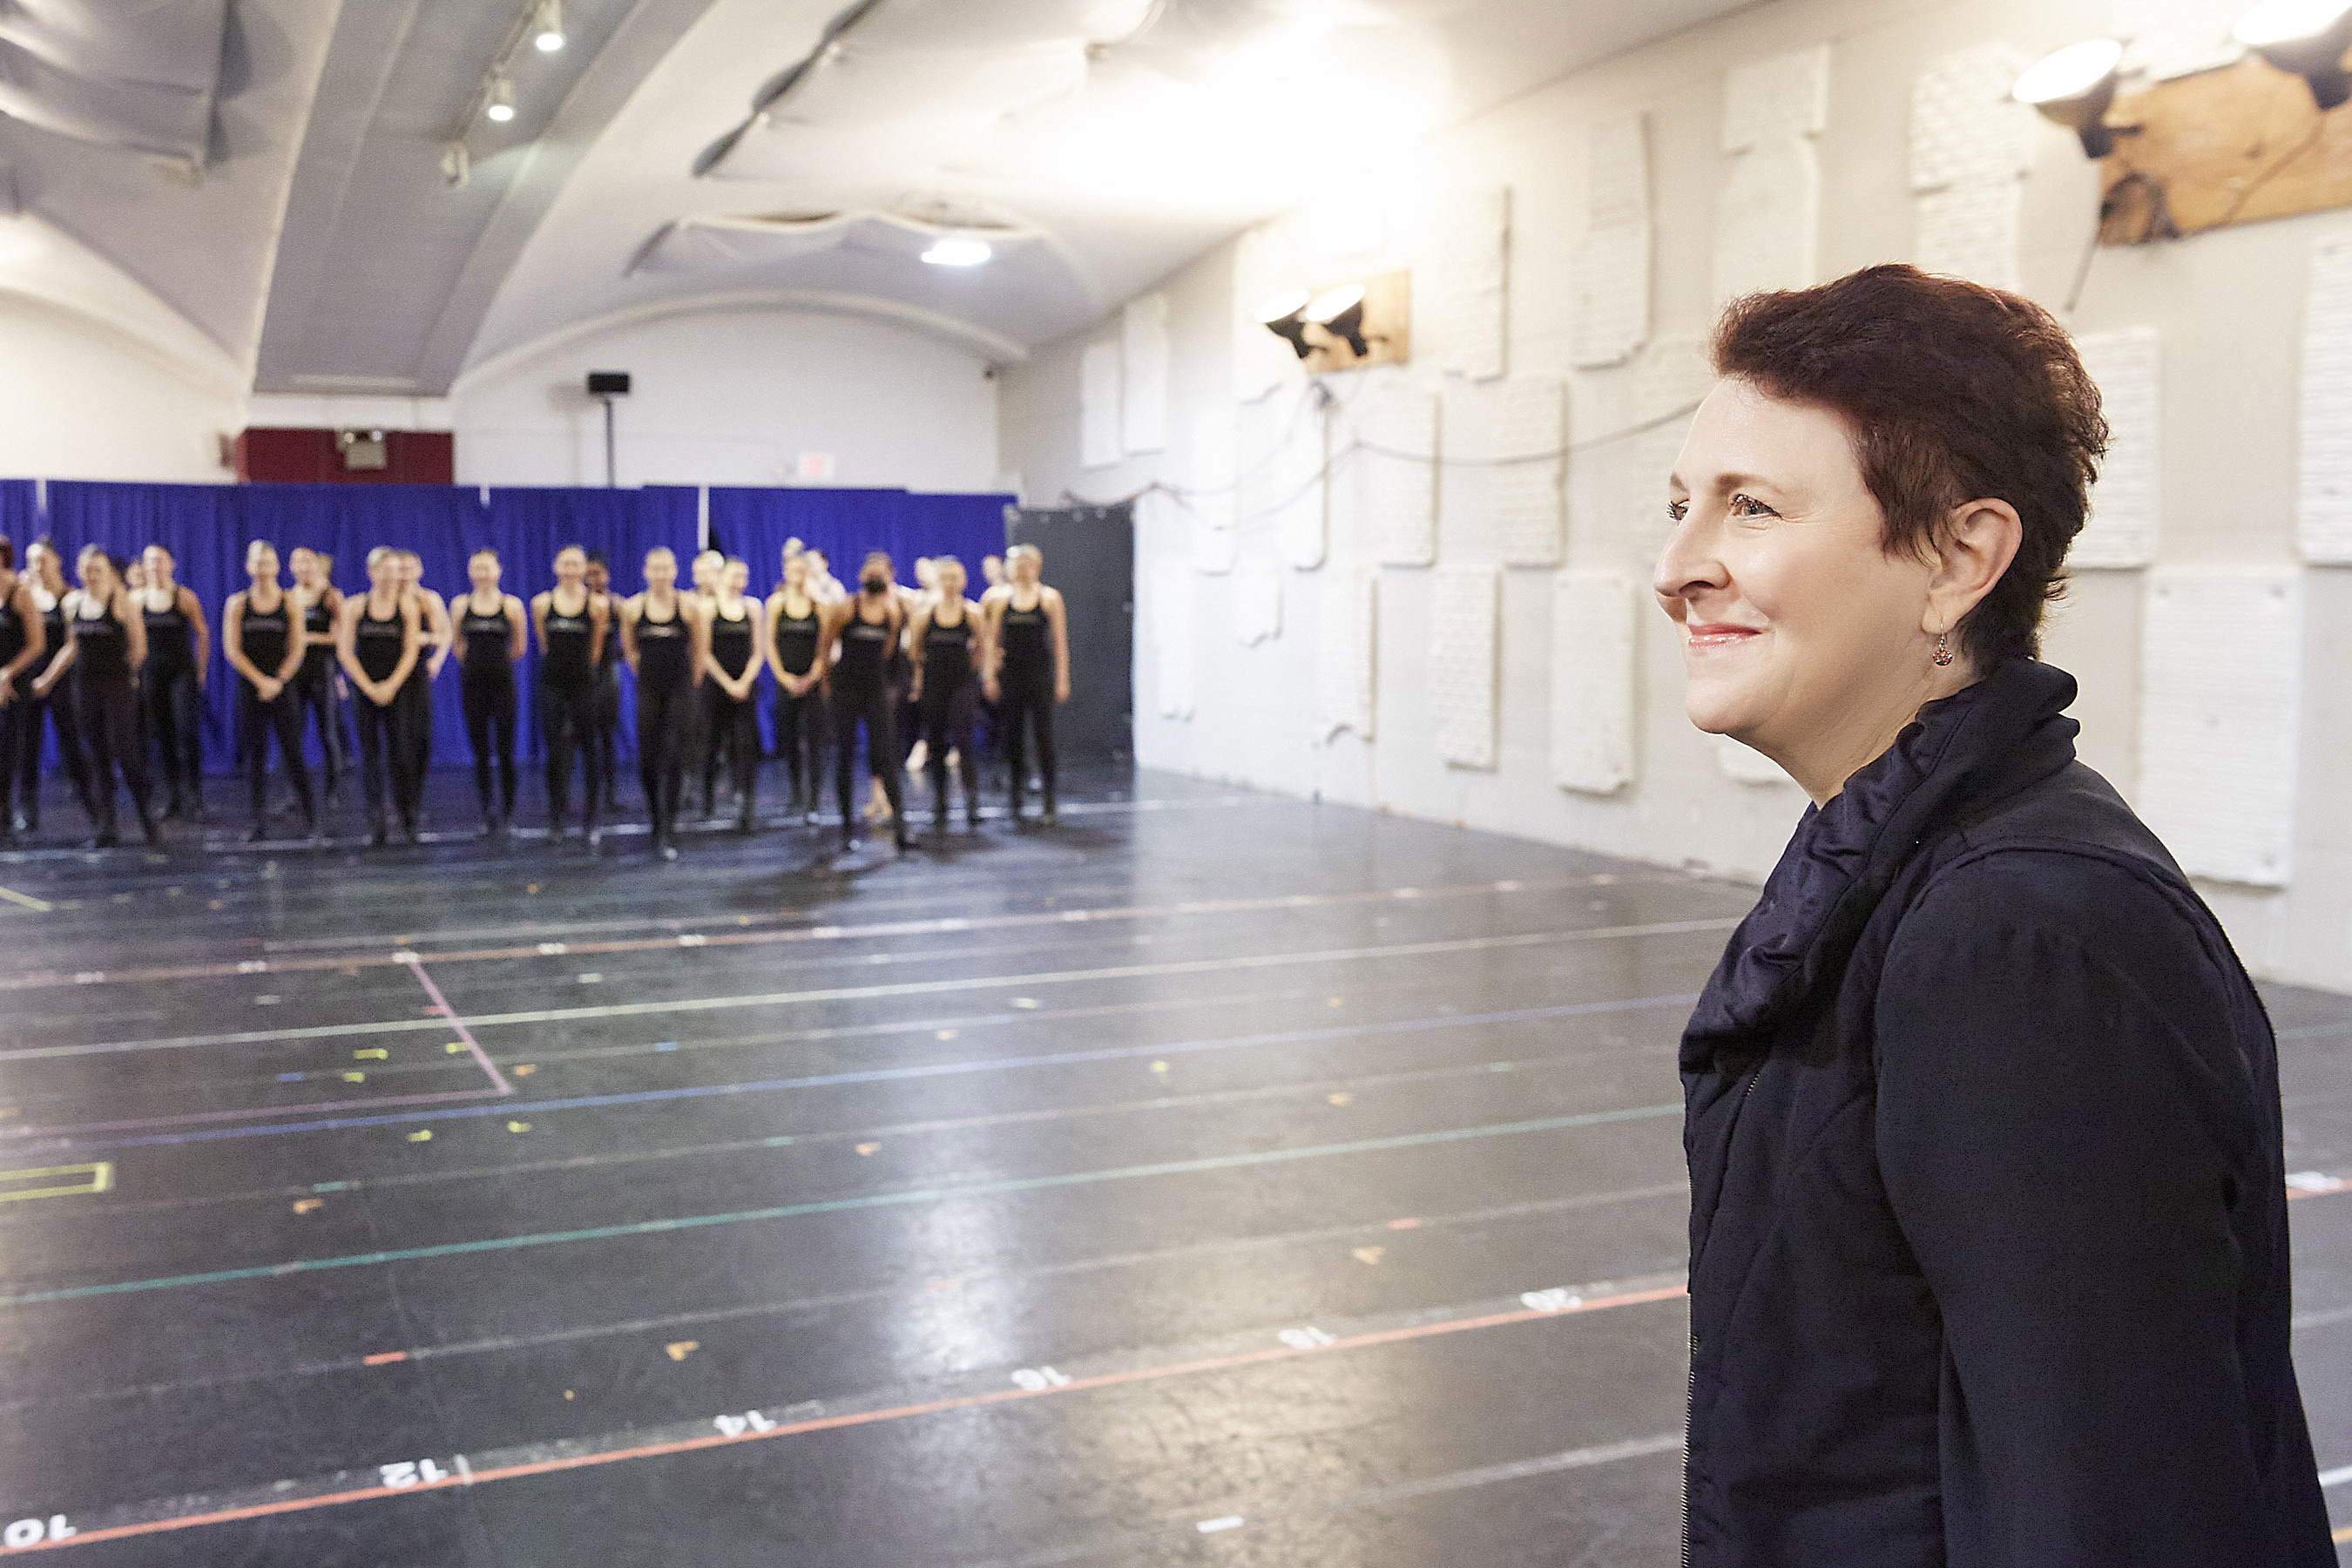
(1211, 1178)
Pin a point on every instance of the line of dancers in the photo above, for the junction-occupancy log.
(114, 667)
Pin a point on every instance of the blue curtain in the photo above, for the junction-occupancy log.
(529, 526)
(20, 513)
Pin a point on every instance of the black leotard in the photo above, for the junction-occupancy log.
(796, 639)
(171, 643)
(664, 648)
(567, 664)
(12, 628)
(731, 642)
(318, 632)
(105, 647)
(265, 635)
(487, 639)
(377, 642)
(947, 653)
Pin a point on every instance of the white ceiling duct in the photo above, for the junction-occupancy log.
(712, 242)
(138, 74)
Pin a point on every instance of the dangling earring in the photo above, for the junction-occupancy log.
(1943, 649)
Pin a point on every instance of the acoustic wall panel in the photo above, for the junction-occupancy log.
(1609, 280)
(1970, 147)
(2121, 530)
(1530, 479)
(1468, 291)
(2221, 706)
(1256, 602)
(1593, 650)
(2324, 512)
(1209, 496)
(1464, 622)
(1345, 651)
(1395, 474)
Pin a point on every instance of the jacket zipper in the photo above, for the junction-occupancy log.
(1690, 1391)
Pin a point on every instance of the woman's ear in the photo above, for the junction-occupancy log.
(1973, 546)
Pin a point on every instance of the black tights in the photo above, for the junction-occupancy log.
(314, 687)
(385, 749)
(58, 705)
(256, 720)
(736, 724)
(877, 707)
(662, 732)
(947, 719)
(489, 703)
(567, 724)
(170, 706)
(107, 707)
(1028, 694)
(801, 732)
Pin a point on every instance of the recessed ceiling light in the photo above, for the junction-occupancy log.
(958, 252)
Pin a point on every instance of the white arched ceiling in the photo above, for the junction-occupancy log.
(1113, 140)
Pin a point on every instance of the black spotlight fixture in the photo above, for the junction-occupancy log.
(1340, 312)
(2074, 87)
(1284, 316)
(2307, 38)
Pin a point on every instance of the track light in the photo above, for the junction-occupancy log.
(500, 106)
(1340, 312)
(2074, 87)
(958, 252)
(457, 164)
(547, 27)
(2307, 38)
(1284, 316)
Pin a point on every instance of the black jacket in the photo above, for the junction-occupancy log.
(1989, 1241)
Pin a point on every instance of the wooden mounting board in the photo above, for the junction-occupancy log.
(2222, 147)
(1388, 326)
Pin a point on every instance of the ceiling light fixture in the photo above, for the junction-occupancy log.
(2307, 38)
(953, 251)
(1284, 316)
(2074, 87)
(547, 27)
(501, 105)
(1340, 312)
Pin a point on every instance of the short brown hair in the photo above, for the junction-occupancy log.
(1952, 392)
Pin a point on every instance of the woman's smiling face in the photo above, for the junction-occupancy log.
(1796, 624)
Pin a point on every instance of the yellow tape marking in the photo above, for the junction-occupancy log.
(38, 906)
(100, 1174)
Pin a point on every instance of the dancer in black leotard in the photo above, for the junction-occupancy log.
(432, 623)
(572, 626)
(795, 623)
(49, 689)
(23, 642)
(738, 650)
(666, 640)
(105, 645)
(489, 643)
(868, 629)
(608, 679)
(172, 682)
(262, 637)
(1029, 665)
(379, 639)
(947, 655)
(315, 683)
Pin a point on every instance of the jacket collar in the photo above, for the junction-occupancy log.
(1978, 746)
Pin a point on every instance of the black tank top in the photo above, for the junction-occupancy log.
(318, 628)
(566, 663)
(488, 639)
(265, 635)
(171, 645)
(867, 648)
(105, 648)
(664, 648)
(796, 639)
(377, 642)
(420, 673)
(1026, 644)
(731, 642)
(947, 654)
(12, 627)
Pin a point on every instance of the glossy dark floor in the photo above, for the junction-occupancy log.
(1212, 1178)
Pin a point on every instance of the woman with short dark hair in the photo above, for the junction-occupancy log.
(1988, 1247)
